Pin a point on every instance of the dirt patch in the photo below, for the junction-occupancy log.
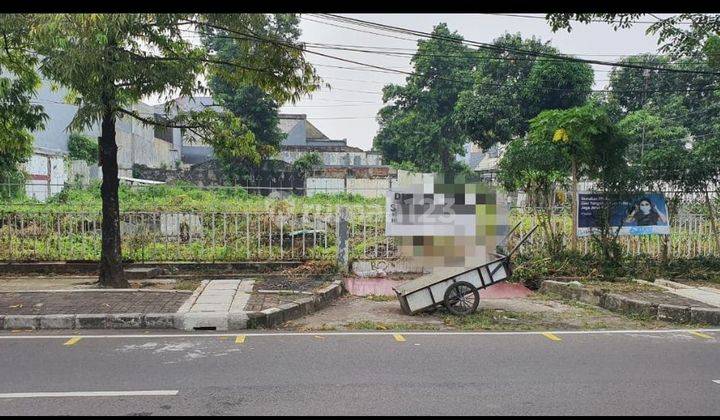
(303, 283)
(534, 313)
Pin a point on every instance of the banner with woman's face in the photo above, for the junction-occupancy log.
(643, 214)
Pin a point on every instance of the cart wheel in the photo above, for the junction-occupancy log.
(462, 298)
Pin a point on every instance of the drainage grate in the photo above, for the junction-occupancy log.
(205, 328)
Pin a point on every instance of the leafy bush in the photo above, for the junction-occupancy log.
(82, 147)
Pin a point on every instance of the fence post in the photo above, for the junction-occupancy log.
(343, 253)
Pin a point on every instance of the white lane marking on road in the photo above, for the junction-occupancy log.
(90, 394)
(328, 333)
(717, 381)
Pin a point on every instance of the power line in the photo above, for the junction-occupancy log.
(591, 20)
(493, 47)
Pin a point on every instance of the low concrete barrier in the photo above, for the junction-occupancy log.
(622, 304)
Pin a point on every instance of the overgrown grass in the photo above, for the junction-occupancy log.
(380, 298)
(531, 269)
(182, 197)
(389, 326)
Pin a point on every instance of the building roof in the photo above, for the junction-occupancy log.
(289, 121)
(300, 148)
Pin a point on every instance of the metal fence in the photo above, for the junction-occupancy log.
(192, 236)
(690, 237)
(218, 237)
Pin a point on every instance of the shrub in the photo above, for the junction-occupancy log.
(82, 147)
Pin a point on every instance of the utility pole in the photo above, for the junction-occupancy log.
(646, 76)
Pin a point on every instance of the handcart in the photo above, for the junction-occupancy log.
(456, 289)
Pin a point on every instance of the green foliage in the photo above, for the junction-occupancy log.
(539, 168)
(307, 162)
(183, 196)
(674, 37)
(417, 124)
(510, 88)
(648, 130)
(82, 147)
(254, 107)
(19, 116)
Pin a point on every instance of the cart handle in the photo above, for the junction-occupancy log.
(522, 241)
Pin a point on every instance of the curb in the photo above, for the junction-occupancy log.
(269, 318)
(88, 321)
(621, 304)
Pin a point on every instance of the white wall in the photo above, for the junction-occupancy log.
(337, 158)
(47, 175)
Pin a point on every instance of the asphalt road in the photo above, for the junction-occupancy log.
(353, 374)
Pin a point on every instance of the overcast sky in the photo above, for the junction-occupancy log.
(348, 110)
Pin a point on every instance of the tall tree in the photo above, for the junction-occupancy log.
(111, 61)
(648, 129)
(675, 37)
(689, 98)
(19, 116)
(510, 88)
(589, 137)
(418, 123)
(255, 107)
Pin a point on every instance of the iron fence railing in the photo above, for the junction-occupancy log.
(255, 236)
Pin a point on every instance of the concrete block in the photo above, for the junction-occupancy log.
(121, 321)
(57, 322)
(21, 322)
(307, 305)
(564, 289)
(611, 301)
(705, 316)
(290, 311)
(256, 319)
(591, 297)
(638, 307)
(673, 313)
(159, 320)
(237, 321)
(217, 321)
(209, 307)
(91, 321)
(273, 316)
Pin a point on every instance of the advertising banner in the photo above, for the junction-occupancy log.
(644, 214)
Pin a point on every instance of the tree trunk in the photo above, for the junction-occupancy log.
(573, 235)
(111, 270)
(713, 226)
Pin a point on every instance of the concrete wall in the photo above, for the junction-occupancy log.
(324, 185)
(368, 187)
(376, 187)
(337, 158)
(55, 136)
(136, 141)
(46, 175)
(82, 172)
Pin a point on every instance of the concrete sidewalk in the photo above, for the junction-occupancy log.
(707, 295)
(218, 305)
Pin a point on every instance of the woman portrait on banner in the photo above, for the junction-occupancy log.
(646, 213)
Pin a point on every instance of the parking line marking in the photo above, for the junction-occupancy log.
(399, 337)
(552, 336)
(72, 341)
(239, 339)
(701, 335)
(717, 381)
(320, 337)
(88, 394)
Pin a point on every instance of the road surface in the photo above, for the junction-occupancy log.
(642, 372)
